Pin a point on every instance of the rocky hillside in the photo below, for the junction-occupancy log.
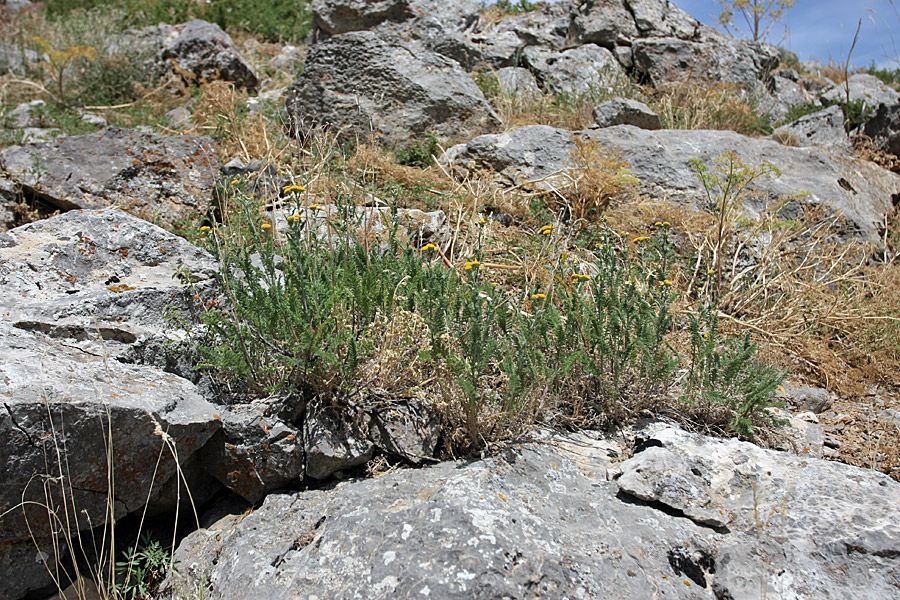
(574, 300)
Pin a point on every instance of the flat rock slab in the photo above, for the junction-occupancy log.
(543, 521)
(159, 178)
(799, 527)
(100, 275)
(528, 525)
(542, 157)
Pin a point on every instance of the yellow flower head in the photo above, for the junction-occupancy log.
(429, 248)
(538, 296)
(235, 181)
(266, 226)
(481, 221)
(313, 207)
(666, 282)
(292, 218)
(293, 188)
(710, 271)
(599, 245)
(666, 224)
(642, 238)
(204, 228)
(578, 277)
(658, 224)
(472, 264)
(546, 230)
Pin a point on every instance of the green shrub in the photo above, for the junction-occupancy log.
(888, 76)
(801, 110)
(275, 20)
(420, 153)
(309, 313)
(727, 376)
(141, 570)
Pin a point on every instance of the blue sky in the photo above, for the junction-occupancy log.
(819, 29)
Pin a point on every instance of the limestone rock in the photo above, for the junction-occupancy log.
(783, 93)
(799, 527)
(334, 17)
(604, 23)
(412, 226)
(884, 127)
(714, 57)
(624, 111)
(259, 447)
(660, 160)
(518, 81)
(586, 69)
(25, 115)
(105, 282)
(209, 53)
(66, 412)
(529, 524)
(661, 18)
(865, 87)
(824, 128)
(354, 84)
(542, 520)
(162, 178)
(536, 153)
(334, 442)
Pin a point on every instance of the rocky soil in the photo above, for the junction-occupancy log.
(104, 417)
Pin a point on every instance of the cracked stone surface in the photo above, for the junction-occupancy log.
(160, 178)
(543, 521)
(82, 290)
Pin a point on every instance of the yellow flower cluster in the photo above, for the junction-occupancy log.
(642, 238)
(538, 296)
(472, 264)
(294, 218)
(293, 188)
(578, 277)
(204, 228)
(266, 226)
(546, 230)
(429, 248)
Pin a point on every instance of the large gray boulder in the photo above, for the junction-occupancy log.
(209, 53)
(661, 18)
(712, 57)
(544, 520)
(88, 294)
(800, 527)
(863, 87)
(542, 157)
(824, 128)
(517, 81)
(105, 281)
(359, 83)
(625, 111)
(84, 439)
(884, 127)
(416, 17)
(587, 69)
(159, 178)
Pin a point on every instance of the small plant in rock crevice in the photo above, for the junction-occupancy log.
(142, 568)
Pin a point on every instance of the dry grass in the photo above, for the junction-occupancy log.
(692, 105)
